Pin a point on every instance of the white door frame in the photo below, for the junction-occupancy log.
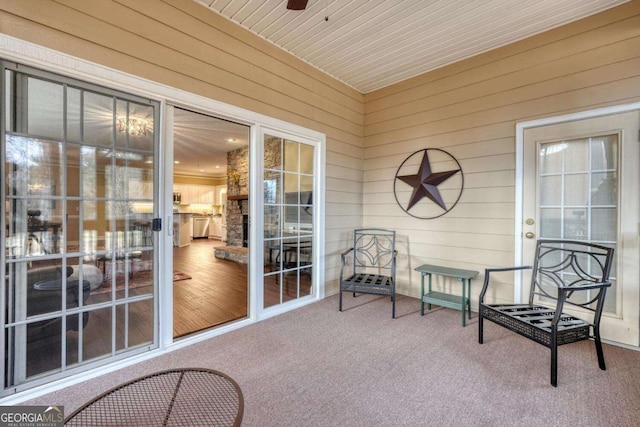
(518, 294)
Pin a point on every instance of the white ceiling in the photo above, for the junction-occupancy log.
(370, 44)
(201, 143)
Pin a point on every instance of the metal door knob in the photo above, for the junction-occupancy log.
(529, 235)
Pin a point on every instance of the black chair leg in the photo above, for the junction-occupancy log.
(340, 308)
(599, 352)
(554, 363)
(480, 329)
(393, 306)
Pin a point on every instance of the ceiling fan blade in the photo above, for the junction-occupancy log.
(297, 4)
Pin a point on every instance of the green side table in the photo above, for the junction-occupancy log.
(447, 300)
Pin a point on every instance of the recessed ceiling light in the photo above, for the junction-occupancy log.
(149, 162)
(217, 167)
(201, 170)
(231, 140)
(177, 162)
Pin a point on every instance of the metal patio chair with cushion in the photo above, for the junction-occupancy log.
(564, 273)
(373, 257)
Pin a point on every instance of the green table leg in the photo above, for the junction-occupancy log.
(464, 301)
(421, 294)
(429, 305)
(469, 296)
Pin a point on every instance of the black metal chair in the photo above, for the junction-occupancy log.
(374, 265)
(564, 272)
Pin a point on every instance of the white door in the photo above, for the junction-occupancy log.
(581, 182)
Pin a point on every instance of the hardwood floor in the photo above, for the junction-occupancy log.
(216, 293)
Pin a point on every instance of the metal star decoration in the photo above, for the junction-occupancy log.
(425, 183)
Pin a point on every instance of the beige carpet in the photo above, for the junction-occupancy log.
(318, 367)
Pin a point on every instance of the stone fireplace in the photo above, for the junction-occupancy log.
(237, 198)
(237, 206)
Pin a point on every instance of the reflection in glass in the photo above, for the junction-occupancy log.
(291, 152)
(604, 187)
(98, 119)
(33, 167)
(74, 117)
(78, 215)
(272, 222)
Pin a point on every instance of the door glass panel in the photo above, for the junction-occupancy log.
(288, 254)
(44, 100)
(78, 246)
(98, 119)
(578, 193)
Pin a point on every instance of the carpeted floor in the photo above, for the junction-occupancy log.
(318, 367)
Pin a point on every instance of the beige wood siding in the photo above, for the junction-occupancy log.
(184, 45)
(471, 109)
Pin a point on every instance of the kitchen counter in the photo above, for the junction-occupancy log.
(182, 227)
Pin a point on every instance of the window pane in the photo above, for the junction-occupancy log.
(604, 152)
(604, 187)
(550, 190)
(576, 156)
(272, 222)
(550, 223)
(45, 102)
(272, 153)
(74, 114)
(140, 127)
(98, 119)
(551, 157)
(33, 167)
(306, 159)
(575, 189)
(575, 224)
(604, 224)
(291, 156)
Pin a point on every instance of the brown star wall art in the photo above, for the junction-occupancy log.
(410, 189)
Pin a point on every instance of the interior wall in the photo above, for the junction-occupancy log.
(470, 109)
(181, 44)
(199, 180)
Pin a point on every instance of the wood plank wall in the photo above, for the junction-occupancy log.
(181, 44)
(471, 109)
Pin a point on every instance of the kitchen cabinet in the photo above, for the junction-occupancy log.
(182, 228)
(215, 227)
(219, 190)
(197, 194)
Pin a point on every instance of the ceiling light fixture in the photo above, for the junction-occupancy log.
(135, 127)
(231, 140)
(177, 162)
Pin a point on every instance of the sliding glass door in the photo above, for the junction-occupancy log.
(78, 277)
(289, 220)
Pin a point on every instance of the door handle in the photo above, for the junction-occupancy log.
(529, 235)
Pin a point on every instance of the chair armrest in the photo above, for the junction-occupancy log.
(564, 293)
(52, 285)
(343, 261)
(488, 271)
(343, 256)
